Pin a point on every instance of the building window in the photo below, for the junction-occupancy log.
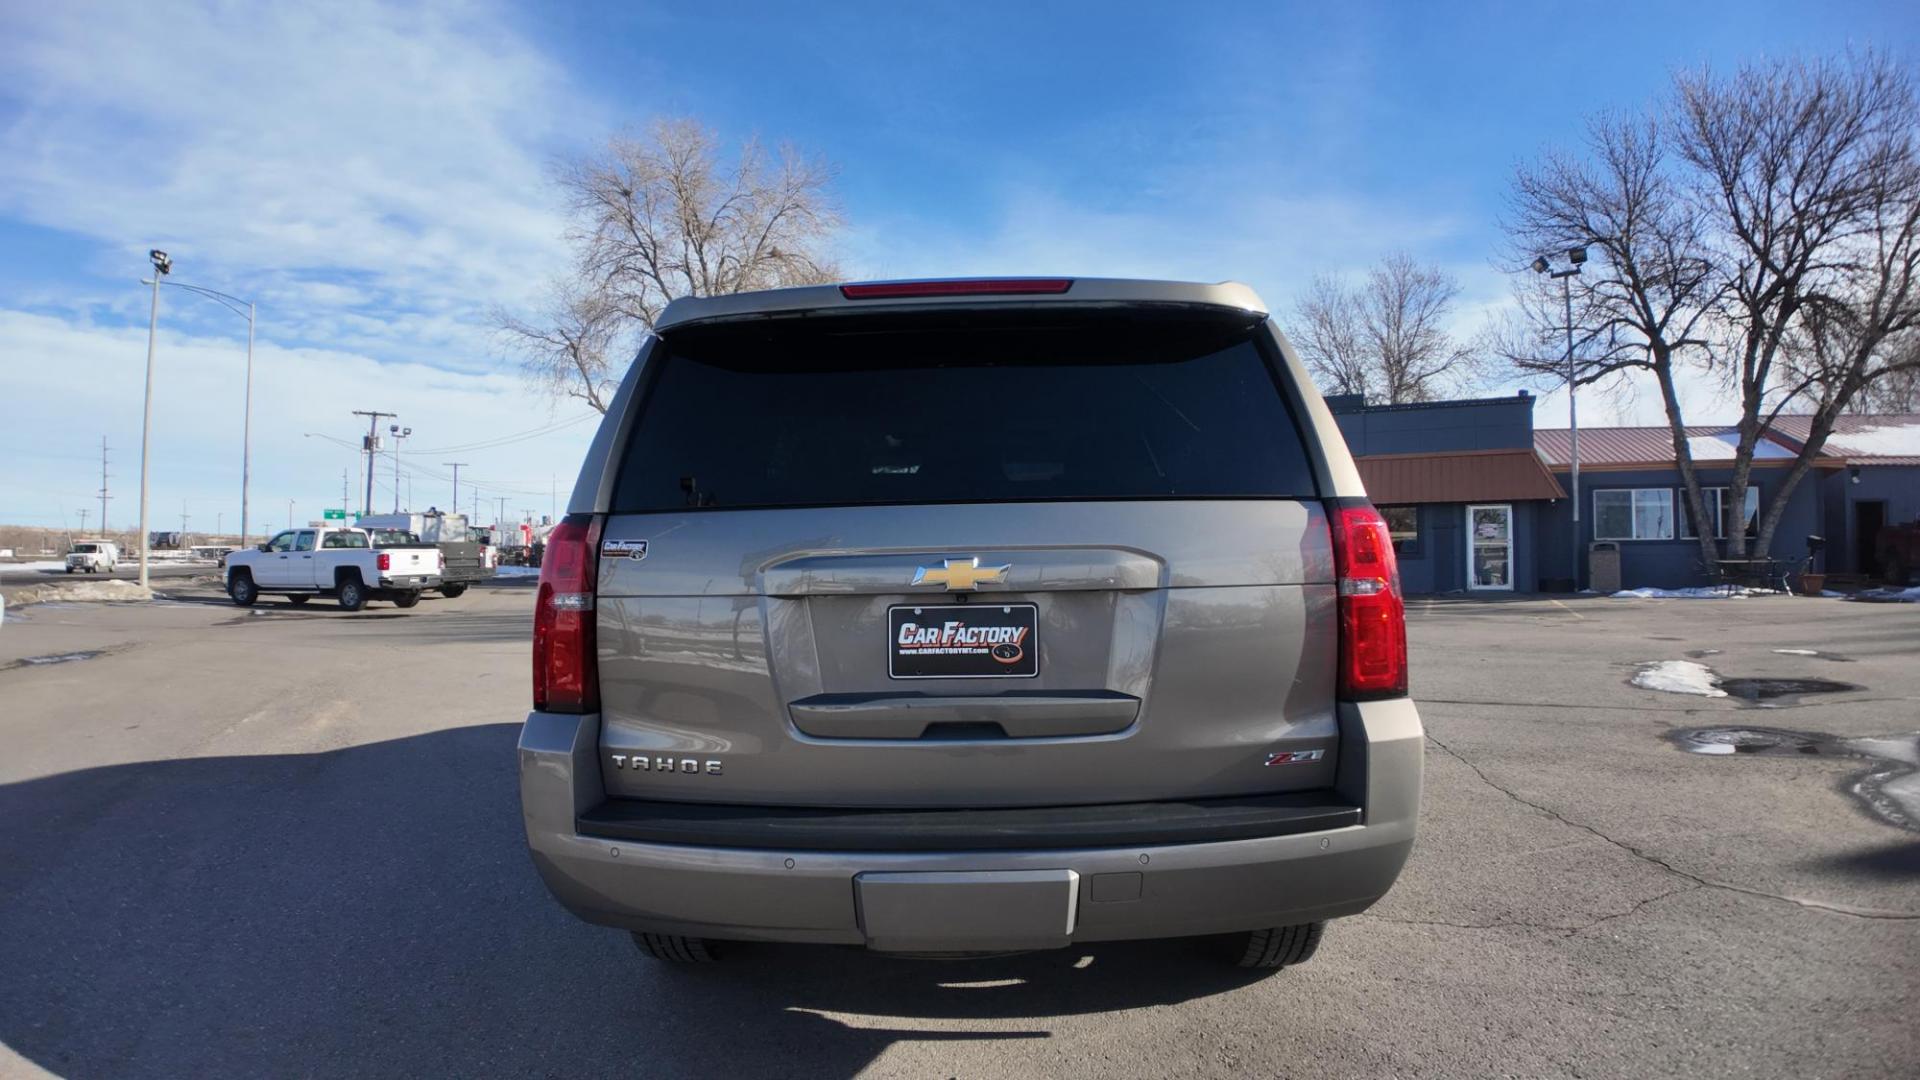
(1633, 514)
(1719, 511)
(1403, 523)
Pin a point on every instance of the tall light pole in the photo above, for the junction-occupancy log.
(1575, 256)
(398, 433)
(162, 265)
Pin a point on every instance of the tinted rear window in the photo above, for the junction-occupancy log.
(991, 409)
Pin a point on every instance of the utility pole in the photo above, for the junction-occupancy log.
(343, 491)
(183, 522)
(373, 444)
(103, 484)
(500, 510)
(219, 517)
(289, 513)
(83, 520)
(456, 483)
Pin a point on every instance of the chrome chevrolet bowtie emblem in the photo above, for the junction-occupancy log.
(960, 575)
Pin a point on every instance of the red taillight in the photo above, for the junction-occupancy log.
(1373, 617)
(885, 290)
(565, 675)
(386, 560)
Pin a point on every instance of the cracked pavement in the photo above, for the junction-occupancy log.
(290, 844)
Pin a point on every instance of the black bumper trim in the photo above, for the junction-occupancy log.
(1148, 824)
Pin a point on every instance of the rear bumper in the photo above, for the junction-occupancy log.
(780, 891)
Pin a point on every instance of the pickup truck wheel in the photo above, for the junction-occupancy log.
(406, 599)
(242, 589)
(69, 569)
(353, 594)
(1277, 947)
(451, 591)
(674, 948)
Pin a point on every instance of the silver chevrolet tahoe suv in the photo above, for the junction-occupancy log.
(970, 616)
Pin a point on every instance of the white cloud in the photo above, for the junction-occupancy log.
(277, 150)
(69, 383)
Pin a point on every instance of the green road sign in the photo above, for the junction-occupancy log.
(333, 515)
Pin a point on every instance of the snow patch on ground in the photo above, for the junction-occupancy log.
(82, 590)
(1890, 596)
(41, 567)
(1678, 677)
(1798, 652)
(1703, 592)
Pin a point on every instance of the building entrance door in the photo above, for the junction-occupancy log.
(1490, 547)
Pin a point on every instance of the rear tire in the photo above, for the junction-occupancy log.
(1276, 947)
(451, 591)
(406, 599)
(674, 949)
(352, 593)
(241, 589)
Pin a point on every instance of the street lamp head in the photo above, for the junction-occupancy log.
(393, 429)
(1577, 255)
(1540, 264)
(161, 261)
(404, 432)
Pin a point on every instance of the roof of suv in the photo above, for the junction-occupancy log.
(968, 292)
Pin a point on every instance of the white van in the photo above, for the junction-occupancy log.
(93, 556)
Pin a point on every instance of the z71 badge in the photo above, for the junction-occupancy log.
(623, 549)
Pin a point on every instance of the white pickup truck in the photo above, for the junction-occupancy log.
(303, 563)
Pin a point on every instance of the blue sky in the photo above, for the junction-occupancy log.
(375, 178)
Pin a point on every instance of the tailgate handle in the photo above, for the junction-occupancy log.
(957, 717)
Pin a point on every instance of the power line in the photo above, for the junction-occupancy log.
(502, 440)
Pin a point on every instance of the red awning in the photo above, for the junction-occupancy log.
(1463, 476)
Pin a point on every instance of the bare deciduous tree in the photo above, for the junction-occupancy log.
(1774, 245)
(1811, 172)
(661, 217)
(1648, 286)
(566, 351)
(1899, 392)
(1386, 338)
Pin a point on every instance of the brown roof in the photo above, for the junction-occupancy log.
(1457, 477)
(1650, 447)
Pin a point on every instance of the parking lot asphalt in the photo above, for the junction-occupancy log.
(288, 843)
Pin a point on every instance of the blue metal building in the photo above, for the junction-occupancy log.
(1479, 500)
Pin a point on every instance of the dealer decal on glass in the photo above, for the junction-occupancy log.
(963, 641)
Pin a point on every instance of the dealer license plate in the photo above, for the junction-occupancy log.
(963, 641)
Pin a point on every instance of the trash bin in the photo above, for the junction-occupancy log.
(1603, 567)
